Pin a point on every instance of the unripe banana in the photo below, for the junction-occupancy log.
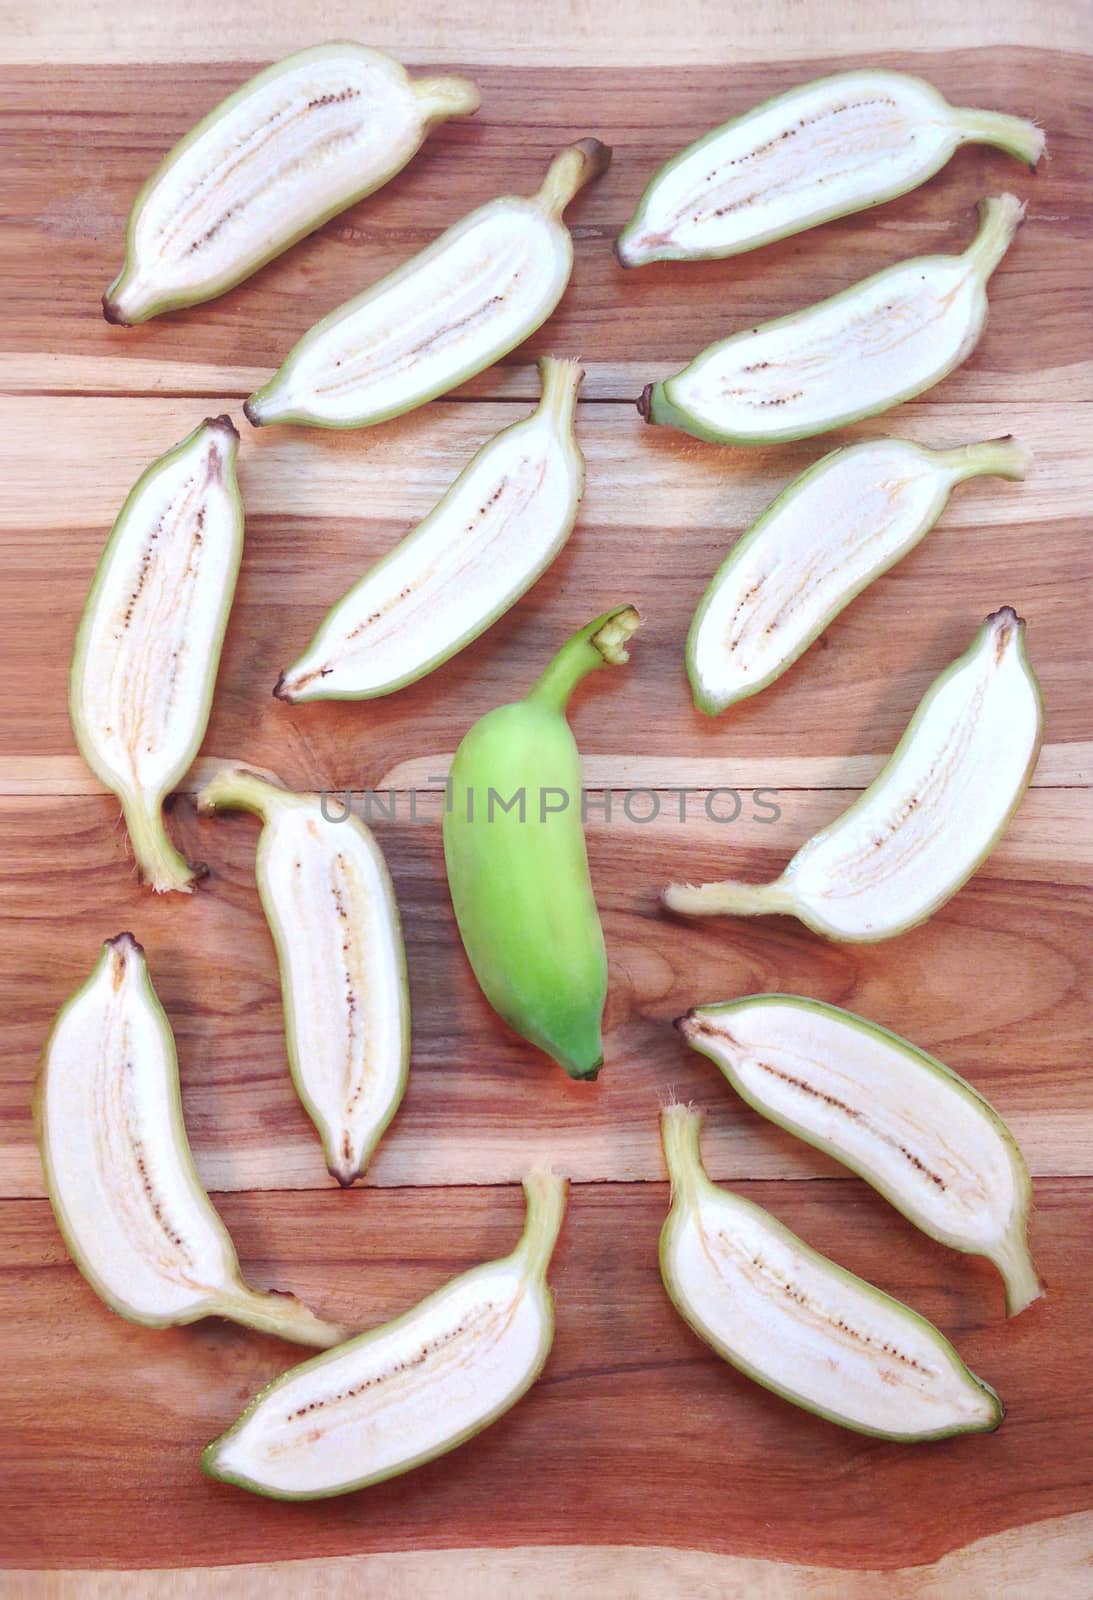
(303, 140)
(517, 865)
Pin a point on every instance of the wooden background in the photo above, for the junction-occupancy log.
(637, 1436)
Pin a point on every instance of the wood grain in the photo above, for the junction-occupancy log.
(632, 1410)
(1005, 1566)
(638, 1436)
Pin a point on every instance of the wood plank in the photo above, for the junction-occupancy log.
(657, 516)
(1006, 1566)
(689, 33)
(998, 985)
(109, 1439)
(106, 128)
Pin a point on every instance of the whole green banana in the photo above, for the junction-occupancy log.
(517, 865)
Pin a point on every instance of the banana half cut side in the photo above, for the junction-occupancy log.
(822, 150)
(450, 312)
(331, 908)
(800, 1325)
(903, 1121)
(496, 531)
(148, 645)
(119, 1171)
(297, 144)
(835, 528)
(410, 1390)
(929, 818)
(878, 343)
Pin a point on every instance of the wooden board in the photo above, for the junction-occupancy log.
(640, 1465)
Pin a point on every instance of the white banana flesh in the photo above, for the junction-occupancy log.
(822, 150)
(290, 149)
(450, 312)
(149, 641)
(799, 1324)
(118, 1167)
(930, 817)
(408, 1391)
(902, 1120)
(331, 908)
(833, 530)
(883, 341)
(493, 534)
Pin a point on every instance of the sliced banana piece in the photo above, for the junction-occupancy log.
(331, 908)
(799, 1324)
(495, 532)
(148, 645)
(929, 818)
(410, 1390)
(281, 156)
(464, 302)
(873, 346)
(897, 1117)
(822, 150)
(826, 537)
(119, 1171)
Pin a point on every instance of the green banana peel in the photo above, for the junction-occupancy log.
(517, 864)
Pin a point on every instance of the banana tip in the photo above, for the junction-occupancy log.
(644, 403)
(111, 313)
(252, 412)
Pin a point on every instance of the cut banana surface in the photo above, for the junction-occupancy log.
(331, 908)
(899, 1118)
(828, 534)
(149, 641)
(403, 1393)
(493, 534)
(118, 1168)
(822, 150)
(290, 149)
(450, 312)
(801, 1325)
(928, 820)
(878, 343)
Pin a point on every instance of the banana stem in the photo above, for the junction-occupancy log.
(560, 381)
(598, 644)
(447, 97)
(991, 458)
(680, 1130)
(545, 1193)
(568, 173)
(160, 865)
(1013, 1261)
(1016, 135)
(279, 1314)
(239, 789)
(729, 898)
(999, 219)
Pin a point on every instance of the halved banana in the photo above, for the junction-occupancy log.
(148, 645)
(899, 1118)
(471, 297)
(799, 1324)
(495, 532)
(282, 155)
(331, 908)
(822, 150)
(826, 537)
(119, 1171)
(927, 821)
(883, 341)
(403, 1393)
